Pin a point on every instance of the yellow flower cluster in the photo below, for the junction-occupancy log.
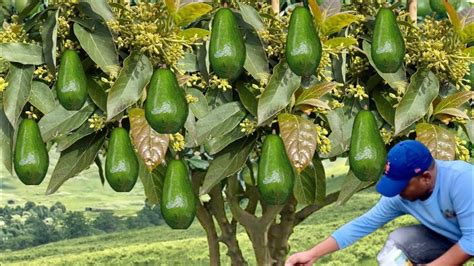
(461, 151)
(177, 141)
(219, 83)
(358, 65)
(387, 135)
(435, 45)
(41, 72)
(248, 126)
(196, 81)
(274, 34)
(13, 32)
(336, 104)
(3, 84)
(97, 122)
(323, 142)
(191, 99)
(357, 91)
(149, 28)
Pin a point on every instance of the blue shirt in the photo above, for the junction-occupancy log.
(448, 211)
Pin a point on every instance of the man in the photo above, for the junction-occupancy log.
(439, 194)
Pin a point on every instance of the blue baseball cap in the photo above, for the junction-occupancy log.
(405, 160)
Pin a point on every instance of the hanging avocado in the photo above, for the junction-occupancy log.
(72, 83)
(276, 177)
(388, 47)
(227, 47)
(367, 152)
(423, 8)
(121, 164)
(166, 108)
(438, 6)
(30, 157)
(303, 46)
(178, 202)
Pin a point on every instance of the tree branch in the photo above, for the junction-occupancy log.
(310, 209)
(243, 217)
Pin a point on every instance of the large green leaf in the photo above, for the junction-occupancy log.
(310, 184)
(311, 95)
(188, 63)
(397, 80)
(42, 97)
(66, 140)
(200, 108)
(127, 89)
(100, 47)
(453, 101)
(6, 140)
(191, 12)
(276, 96)
(218, 143)
(75, 159)
(17, 92)
(247, 98)
(469, 128)
(97, 94)
(341, 41)
(191, 33)
(384, 107)
(228, 162)
(340, 121)
(256, 62)
(423, 89)
(150, 145)
(338, 22)
(61, 121)
(350, 186)
(24, 53)
(152, 181)
(219, 121)
(251, 16)
(190, 138)
(101, 8)
(299, 137)
(49, 35)
(441, 142)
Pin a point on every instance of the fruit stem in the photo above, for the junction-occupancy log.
(176, 156)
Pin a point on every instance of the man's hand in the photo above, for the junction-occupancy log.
(305, 258)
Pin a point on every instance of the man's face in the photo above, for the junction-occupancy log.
(418, 188)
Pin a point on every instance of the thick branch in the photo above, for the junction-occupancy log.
(244, 218)
(310, 209)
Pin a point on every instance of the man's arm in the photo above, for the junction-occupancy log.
(329, 245)
(454, 256)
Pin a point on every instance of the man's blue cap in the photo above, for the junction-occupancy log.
(405, 160)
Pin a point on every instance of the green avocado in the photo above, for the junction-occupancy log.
(166, 108)
(423, 8)
(438, 6)
(227, 47)
(276, 177)
(31, 158)
(72, 83)
(303, 46)
(367, 152)
(178, 202)
(121, 164)
(388, 47)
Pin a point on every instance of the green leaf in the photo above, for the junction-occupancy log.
(310, 184)
(256, 62)
(49, 35)
(351, 185)
(65, 141)
(127, 89)
(469, 51)
(42, 97)
(61, 121)
(149, 144)
(467, 34)
(299, 137)
(331, 7)
(191, 12)
(469, 128)
(172, 5)
(336, 23)
(453, 16)
(228, 162)
(190, 33)
(453, 101)
(152, 182)
(190, 138)
(218, 143)
(423, 89)
(320, 191)
(340, 121)
(316, 91)
(17, 92)
(453, 112)
(75, 159)
(247, 98)
(101, 8)
(188, 63)
(97, 94)
(384, 107)
(200, 108)
(341, 41)
(251, 16)
(24, 53)
(100, 169)
(441, 142)
(6, 140)
(397, 80)
(100, 47)
(316, 11)
(283, 83)
(219, 121)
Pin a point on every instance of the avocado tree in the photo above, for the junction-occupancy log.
(231, 106)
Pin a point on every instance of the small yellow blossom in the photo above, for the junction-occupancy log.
(3, 84)
(177, 141)
(248, 126)
(97, 122)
